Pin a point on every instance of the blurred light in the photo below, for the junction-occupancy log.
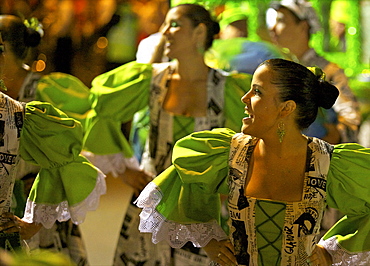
(352, 30)
(271, 15)
(40, 65)
(102, 43)
(366, 71)
(349, 72)
(42, 57)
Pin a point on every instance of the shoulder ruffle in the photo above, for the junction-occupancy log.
(67, 185)
(182, 204)
(65, 92)
(118, 95)
(348, 190)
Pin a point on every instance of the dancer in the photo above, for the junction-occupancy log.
(277, 179)
(184, 95)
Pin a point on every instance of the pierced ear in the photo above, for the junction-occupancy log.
(200, 31)
(288, 108)
(201, 28)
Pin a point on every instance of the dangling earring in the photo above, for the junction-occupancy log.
(200, 48)
(2, 85)
(281, 131)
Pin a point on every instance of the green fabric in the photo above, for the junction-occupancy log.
(52, 140)
(65, 92)
(197, 183)
(235, 87)
(182, 125)
(269, 231)
(19, 199)
(348, 189)
(200, 168)
(118, 95)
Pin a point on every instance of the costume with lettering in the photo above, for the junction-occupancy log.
(70, 95)
(122, 92)
(67, 185)
(182, 204)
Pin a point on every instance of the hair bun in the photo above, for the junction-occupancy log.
(215, 27)
(32, 38)
(34, 32)
(327, 94)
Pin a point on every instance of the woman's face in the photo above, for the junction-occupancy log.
(179, 33)
(262, 105)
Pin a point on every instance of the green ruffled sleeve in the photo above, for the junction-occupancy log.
(68, 185)
(182, 204)
(66, 93)
(118, 95)
(235, 87)
(348, 189)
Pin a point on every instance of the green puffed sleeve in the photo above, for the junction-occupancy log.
(66, 93)
(182, 204)
(348, 189)
(68, 185)
(236, 86)
(118, 95)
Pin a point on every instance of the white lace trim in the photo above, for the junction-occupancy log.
(47, 214)
(114, 164)
(175, 234)
(343, 257)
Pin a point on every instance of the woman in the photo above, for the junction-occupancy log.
(184, 96)
(278, 181)
(64, 91)
(67, 185)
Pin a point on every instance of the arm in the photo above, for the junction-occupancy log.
(68, 185)
(348, 191)
(174, 203)
(221, 252)
(16, 224)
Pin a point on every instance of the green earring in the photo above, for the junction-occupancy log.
(2, 85)
(281, 131)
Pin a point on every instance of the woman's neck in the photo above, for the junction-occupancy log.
(14, 76)
(292, 143)
(192, 68)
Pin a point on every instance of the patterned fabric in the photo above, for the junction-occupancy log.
(277, 233)
(165, 129)
(122, 92)
(164, 126)
(72, 96)
(11, 123)
(44, 136)
(182, 203)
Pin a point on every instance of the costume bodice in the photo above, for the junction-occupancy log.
(270, 232)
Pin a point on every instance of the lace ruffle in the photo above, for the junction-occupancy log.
(175, 234)
(342, 257)
(47, 214)
(114, 164)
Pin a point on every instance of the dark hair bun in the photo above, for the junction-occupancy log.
(32, 38)
(327, 94)
(215, 27)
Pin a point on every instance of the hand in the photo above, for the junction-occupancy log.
(320, 257)
(221, 252)
(16, 224)
(137, 179)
